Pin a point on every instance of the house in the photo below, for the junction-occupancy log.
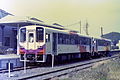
(9, 27)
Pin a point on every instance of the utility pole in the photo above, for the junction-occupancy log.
(86, 26)
(80, 27)
(101, 31)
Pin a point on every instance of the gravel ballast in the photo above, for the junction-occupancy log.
(105, 70)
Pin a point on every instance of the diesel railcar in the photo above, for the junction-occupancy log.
(38, 43)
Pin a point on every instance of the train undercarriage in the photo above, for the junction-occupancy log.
(63, 57)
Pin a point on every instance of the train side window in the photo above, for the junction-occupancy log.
(101, 43)
(67, 39)
(76, 39)
(59, 38)
(7, 41)
(88, 41)
(82, 41)
(23, 35)
(72, 40)
(63, 39)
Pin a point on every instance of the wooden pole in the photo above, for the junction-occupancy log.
(80, 27)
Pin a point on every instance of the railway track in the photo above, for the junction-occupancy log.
(48, 72)
(17, 69)
(63, 70)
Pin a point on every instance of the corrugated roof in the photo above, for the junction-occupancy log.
(24, 21)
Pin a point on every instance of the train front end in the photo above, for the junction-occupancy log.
(32, 44)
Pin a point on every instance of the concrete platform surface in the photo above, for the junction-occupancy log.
(14, 59)
(9, 56)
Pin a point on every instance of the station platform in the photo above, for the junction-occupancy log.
(14, 59)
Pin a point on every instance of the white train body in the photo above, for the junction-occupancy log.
(38, 42)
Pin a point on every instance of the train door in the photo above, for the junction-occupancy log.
(31, 40)
(90, 45)
(94, 46)
(54, 43)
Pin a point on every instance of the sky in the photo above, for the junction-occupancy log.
(98, 13)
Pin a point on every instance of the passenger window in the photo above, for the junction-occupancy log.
(23, 35)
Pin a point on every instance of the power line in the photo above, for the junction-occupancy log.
(73, 24)
(80, 27)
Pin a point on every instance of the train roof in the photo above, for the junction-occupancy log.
(67, 31)
(102, 38)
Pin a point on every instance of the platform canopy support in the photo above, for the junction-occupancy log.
(17, 39)
(53, 56)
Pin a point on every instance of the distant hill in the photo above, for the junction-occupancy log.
(114, 36)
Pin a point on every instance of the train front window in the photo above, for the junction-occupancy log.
(23, 35)
(39, 34)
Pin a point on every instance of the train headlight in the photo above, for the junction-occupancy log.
(39, 47)
(21, 50)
